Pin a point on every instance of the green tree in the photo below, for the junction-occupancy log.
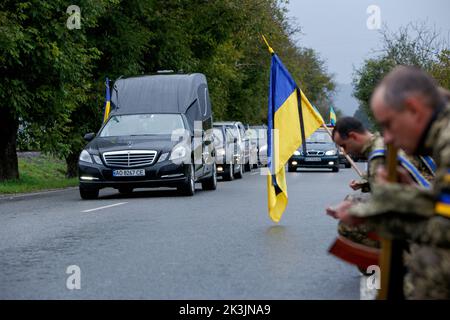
(45, 66)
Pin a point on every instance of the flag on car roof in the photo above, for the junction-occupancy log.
(107, 101)
(332, 116)
(291, 119)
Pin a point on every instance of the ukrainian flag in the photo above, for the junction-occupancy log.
(108, 101)
(332, 116)
(290, 116)
(318, 113)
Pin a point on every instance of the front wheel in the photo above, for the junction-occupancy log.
(240, 173)
(88, 194)
(229, 173)
(292, 169)
(211, 182)
(188, 187)
(335, 169)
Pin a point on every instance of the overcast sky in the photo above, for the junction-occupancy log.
(337, 29)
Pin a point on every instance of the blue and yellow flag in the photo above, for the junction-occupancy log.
(108, 101)
(318, 113)
(290, 116)
(332, 116)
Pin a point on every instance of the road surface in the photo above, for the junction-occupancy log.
(155, 244)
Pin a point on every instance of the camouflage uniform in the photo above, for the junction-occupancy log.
(359, 234)
(419, 215)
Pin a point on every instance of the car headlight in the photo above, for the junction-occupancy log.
(163, 157)
(97, 159)
(297, 153)
(330, 153)
(178, 153)
(85, 156)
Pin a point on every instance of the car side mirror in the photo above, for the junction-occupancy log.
(89, 136)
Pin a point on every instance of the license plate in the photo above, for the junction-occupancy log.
(129, 173)
(313, 159)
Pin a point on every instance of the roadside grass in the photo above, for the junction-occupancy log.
(38, 173)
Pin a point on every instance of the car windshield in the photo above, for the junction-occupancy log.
(142, 124)
(319, 137)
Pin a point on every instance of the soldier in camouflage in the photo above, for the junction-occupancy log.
(415, 116)
(350, 134)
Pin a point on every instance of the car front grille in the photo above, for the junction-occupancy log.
(315, 153)
(129, 158)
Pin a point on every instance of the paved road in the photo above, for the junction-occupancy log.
(157, 245)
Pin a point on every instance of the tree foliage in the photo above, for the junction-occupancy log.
(414, 45)
(53, 77)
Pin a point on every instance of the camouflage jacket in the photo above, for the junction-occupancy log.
(415, 213)
(375, 143)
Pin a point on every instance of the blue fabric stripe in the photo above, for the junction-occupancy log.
(281, 86)
(377, 153)
(429, 162)
(445, 198)
(408, 165)
(413, 170)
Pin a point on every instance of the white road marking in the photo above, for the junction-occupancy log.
(104, 207)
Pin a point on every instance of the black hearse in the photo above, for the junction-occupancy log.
(156, 136)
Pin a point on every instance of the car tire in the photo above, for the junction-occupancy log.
(211, 182)
(188, 187)
(292, 169)
(125, 190)
(335, 169)
(88, 194)
(240, 173)
(247, 167)
(229, 173)
(348, 165)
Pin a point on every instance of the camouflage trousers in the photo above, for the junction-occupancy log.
(428, 275)
(358, 234)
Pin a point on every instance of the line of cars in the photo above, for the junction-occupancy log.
(160, 133)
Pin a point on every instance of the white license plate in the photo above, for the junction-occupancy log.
(129, 173)
(313, 159)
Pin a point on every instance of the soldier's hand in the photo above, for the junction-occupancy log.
(355, 185)
(341, 212)
(403, 176)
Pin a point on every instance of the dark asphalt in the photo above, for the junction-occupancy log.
(155, 244)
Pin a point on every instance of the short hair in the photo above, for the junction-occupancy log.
(404, 81)
(346, 125)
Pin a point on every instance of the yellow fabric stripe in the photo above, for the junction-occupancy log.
(447, 178)
(277, 203)
(107, 109)
(311, 119)
(442, 209)
(287, 124)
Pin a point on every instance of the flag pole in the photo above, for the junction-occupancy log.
(268, 46)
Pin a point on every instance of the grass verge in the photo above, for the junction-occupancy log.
(39, 173)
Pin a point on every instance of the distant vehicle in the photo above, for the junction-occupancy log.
(238, 130)
(135, 148)
(227, 156)
(258, 137)
(321, 152)
(343, 160)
